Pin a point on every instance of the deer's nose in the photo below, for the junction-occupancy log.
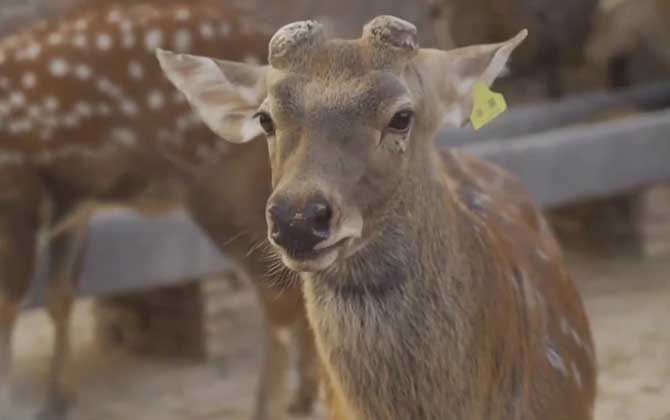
(299, 230)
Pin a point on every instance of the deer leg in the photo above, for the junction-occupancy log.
(270, 397)
(18, 228)
(552, 66)
(65, 266)
(8, 312)
(618, 72)
(309, 369)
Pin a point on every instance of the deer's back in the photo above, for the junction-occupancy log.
(557, 337)
(85, 92)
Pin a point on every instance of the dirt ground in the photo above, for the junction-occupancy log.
(628, 301)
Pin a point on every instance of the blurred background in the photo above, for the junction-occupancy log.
(168, 327)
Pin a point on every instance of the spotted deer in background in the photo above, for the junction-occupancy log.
(434, 285)
(86, 116)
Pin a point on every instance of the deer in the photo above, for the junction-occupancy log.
(560, 30)
(433, 283)
(621, 29)
(86, 120)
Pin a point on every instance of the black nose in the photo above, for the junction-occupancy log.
(299, 230)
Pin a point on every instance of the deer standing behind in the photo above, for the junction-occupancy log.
(86, 116)
(559, 29)
(432, 282)
(623, 28)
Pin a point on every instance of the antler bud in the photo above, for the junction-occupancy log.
(291, 44)
(392, 38)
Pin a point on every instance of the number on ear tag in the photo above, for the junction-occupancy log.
(488, 105)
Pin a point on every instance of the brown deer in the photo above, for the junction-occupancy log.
(559, 29)
(86, 116)
(623, 28)
(433, 283)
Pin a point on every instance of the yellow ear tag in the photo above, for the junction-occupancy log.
(488, 105)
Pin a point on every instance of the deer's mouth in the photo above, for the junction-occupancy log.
(317, 259)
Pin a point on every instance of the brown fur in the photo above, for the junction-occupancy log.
(438, 291)
(623, 31)
(68, 166)
(558, 31)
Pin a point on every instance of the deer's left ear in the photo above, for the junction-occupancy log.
(453, 74)
(225, 94)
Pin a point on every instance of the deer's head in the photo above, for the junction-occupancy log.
(345, 120)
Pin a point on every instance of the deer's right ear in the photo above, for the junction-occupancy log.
(225, 94)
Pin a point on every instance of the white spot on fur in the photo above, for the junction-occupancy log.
(34, 111)
(114, 16)
(51, 103)
(70, 121)
(556, 361)
(155, 100)
(284, 335)
(128, 40)
(576, 374)
(129, 107)
(83, 72)
(20, 126)
(541, 254)
(81, 24)
(206, 30)
(28, 80)
(58, 67)
(135, 70)
(80, 40)
(182, 40)
(30, 52)
(106, 86)
(183, 14)
(576, 337)
(55, 38)
(17, 99)
(124, 136)
(83, 109)
(565, 326)
(153, 39)
(104, 42)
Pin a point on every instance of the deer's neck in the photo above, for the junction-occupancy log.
(404, 302)
(405, 233)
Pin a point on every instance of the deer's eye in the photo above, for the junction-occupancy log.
(401, 121)
(265, 120)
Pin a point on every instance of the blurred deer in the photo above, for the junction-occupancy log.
(625, 27)
(434, 285)
(86, 118)
(559, 31)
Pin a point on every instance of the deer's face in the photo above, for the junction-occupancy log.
(337, 143)
(344, 120)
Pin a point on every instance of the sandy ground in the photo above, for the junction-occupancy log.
(628, 301)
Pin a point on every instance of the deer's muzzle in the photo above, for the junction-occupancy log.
(299, 230)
